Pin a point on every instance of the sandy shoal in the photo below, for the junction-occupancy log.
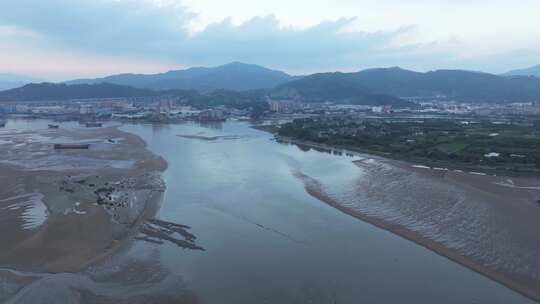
(77, 231)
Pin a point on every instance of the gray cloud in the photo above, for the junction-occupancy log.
(140, 29)
(132, 26)
(136, 27)
(262, 40)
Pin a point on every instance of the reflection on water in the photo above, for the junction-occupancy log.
(267, 241)
(216, 125)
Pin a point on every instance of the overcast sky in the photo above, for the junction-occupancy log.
(62, 39)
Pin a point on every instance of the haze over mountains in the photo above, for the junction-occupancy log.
(338, 87)
(531, 71)
(10, 81)
(452, 84)
(373, 86)
(53, 91)
(234, 76)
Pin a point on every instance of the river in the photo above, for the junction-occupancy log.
(267, 240)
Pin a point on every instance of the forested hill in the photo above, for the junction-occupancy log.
(234, 76)
(334, 87)
(454, 84)
(51, 91)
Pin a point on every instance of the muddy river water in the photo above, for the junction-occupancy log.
(265, 239)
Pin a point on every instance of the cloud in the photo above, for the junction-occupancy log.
(141, 29)
(262, 40)
(99, 36)
(115, 27)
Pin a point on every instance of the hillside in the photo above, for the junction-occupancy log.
(50, 91)
(335, 87)
(531, 71)
(375, 86)
(234, 76)
(10, 81)
(384, 86)
(454, 84)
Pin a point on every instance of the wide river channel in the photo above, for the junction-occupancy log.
(267, 240)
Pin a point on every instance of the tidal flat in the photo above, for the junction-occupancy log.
(65, 210)
(486, 223)
(245, 220)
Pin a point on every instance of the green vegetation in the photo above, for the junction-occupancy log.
(53, 91)
(485, 146)
(336, 87)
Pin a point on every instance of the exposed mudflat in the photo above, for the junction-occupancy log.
(268, 240)
(128, 279)
(64, 208)
(237, 225)
(487, 223)
(63, 211)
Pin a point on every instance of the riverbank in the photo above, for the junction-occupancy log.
(486, 165)
(486, 223)
(424, 161)
(266, 238)
(65, 210)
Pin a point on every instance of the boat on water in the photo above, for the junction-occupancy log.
(53, 126)
(2, 123)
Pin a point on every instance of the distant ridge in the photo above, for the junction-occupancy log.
(52, 91)
(531, 71)
(457, 85)
(335, 87)
(454, 84)
(380, 86)
(10, 81)
(234, 76)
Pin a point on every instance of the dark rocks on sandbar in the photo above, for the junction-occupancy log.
(162, 230)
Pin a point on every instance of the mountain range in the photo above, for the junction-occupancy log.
(454, 84)
(10, 81)
(234, 76)
(446, 84)
(54, 91)
(372, 86)
(336, 87)
(531, 71)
